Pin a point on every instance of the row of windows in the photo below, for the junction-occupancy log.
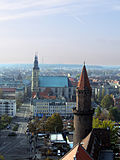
(2, 105)
(6, 109)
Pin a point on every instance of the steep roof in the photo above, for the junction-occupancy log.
(84, 80)
(85, 141)
(78, 152)
(53, 81)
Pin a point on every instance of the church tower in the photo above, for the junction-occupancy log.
(35, 76)
(83, 112)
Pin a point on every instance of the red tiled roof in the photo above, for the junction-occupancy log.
(34, 94)
(78, 152)
(49, 97)
(82, 154)
(84, 81)
(45, 92)
(73, 81)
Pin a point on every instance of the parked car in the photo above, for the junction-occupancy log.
(12, 134)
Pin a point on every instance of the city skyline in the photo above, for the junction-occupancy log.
(60, 31)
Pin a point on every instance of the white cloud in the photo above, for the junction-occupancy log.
(14, 9)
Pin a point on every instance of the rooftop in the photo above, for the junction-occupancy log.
(84, 80)
(53, 81)
(77, 152)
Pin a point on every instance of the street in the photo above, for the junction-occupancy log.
(16, 147)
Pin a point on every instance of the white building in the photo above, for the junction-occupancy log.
(48, 107)
(8, 107)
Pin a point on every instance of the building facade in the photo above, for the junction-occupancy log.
(82, 112)
(49, 106)
(45, 86)
(8, 107)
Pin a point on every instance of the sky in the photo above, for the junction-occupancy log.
(60, 31)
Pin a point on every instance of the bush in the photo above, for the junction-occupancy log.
(15, 128)
(107, 124)
(107, 101)
(2, 158)
(5, 121)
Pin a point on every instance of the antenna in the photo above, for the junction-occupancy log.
(36, 53)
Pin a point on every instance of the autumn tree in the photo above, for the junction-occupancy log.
(42, 124)
(54, 123)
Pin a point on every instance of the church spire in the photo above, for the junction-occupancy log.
(36, 62)
(84, 83)
(35, 77)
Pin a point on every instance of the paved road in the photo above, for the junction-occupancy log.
(16, 147)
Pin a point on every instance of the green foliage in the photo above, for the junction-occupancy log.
(2, 158)
(107, 124)
(6, 118)
(19, 100)
(42, 124)
(54, 123)
(114, 113)
(98, 111)
(107, 101)
(15, 128)
(103, 93)
(32, 126)
(1, 93)
(4, 121)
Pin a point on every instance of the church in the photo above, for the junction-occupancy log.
(51, 87)
(89, 143)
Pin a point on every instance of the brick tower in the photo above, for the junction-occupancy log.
(83, 112)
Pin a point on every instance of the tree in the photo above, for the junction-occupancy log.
(107, 101)
(114, 113)
(54, 123)
(103, 93)
(2, 158)
(107, 124)
(36, 125)
(19, 100)
(42, 124)
(1, 93)
(4, 121)
(32, 127)
(98, 111)
(5, 118)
